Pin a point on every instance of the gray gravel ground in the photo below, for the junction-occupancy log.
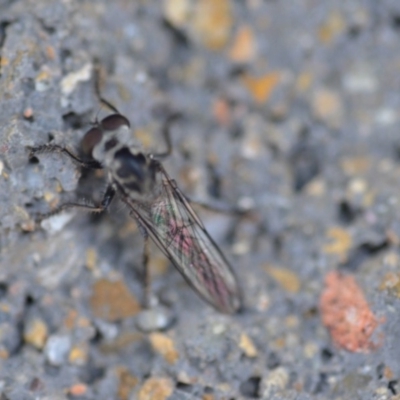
(291, 107)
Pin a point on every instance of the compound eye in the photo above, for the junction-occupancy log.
(114, 122)
(91, 138)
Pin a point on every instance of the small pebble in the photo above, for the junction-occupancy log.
(212, 22)
(382, 393)
(327, 106)
(156, 389)
(35, 332)
(43, 80)
(360, 79)
(154, 319)
(250, 388)
(77, 390)
(261, 87)
(276, 381)
(36, 385)
(286, 278)
(165, 346)
(57, 349)
(111, 300)
(246, 203)
(56, 223)
(108, 330)
(247, 346)
(244, 45)
(78, 355)
(386, 116)
(310, 350)
(176, 12)
(28, 113)
(28, 226)
(127, 382)
(70, 81)
(347, 315)
(10, 339)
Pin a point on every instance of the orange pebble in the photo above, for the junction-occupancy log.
(347, 315)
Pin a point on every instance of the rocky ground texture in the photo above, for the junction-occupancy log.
(291, 108)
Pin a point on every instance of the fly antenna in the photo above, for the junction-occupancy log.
(99, 78)
(96, 120)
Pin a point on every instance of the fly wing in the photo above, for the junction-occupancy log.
(180, 234)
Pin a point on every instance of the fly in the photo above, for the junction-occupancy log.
(155, 202)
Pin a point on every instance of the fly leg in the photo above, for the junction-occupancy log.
(147, 273)
(221, 208)
(55, 148)
(106, 201)
(145, 262)
(99, 78)
(166, 133)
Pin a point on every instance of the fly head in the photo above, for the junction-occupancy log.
(111, 143)
(105, 136)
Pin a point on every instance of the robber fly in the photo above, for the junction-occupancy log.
(160, 209)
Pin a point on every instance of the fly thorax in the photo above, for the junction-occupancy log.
(134, 172)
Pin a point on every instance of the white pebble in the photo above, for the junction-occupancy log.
(154, 319)
(55, 223)
(57, 349)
